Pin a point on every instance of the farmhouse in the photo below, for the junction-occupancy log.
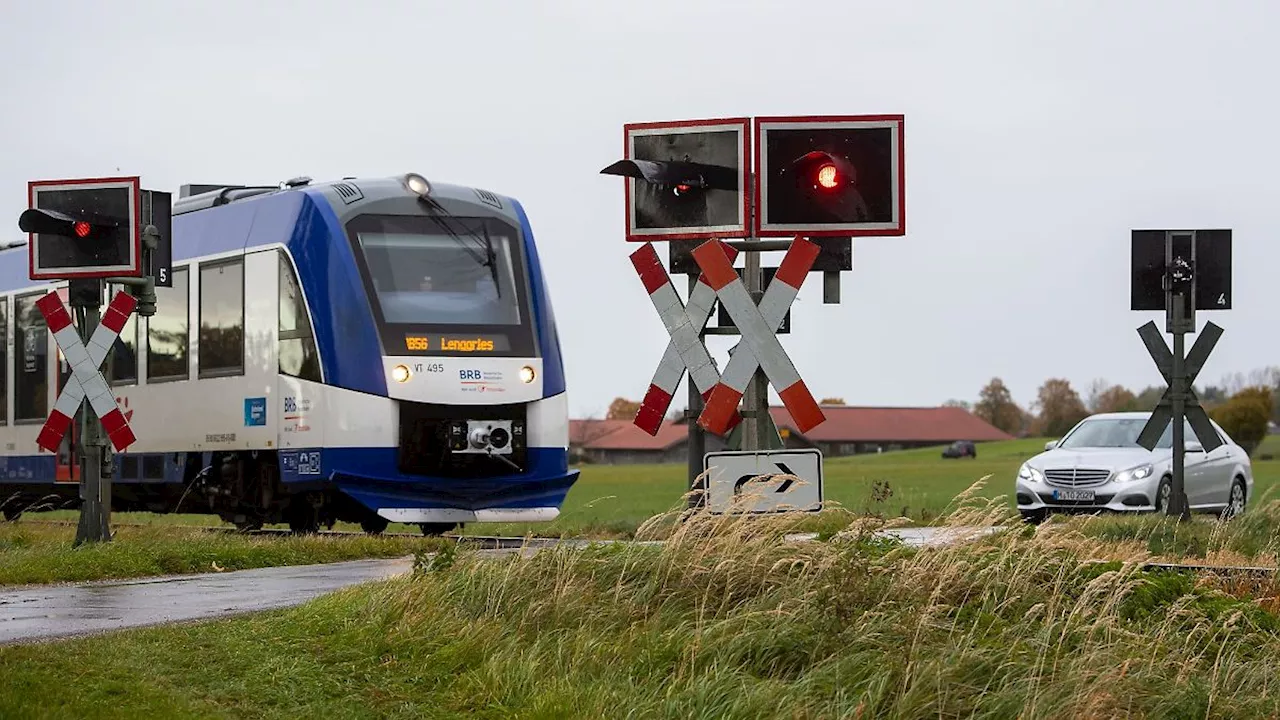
(848, 430)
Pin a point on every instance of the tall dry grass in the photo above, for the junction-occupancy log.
(729, 618)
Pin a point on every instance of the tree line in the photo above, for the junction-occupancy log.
(1242, 404)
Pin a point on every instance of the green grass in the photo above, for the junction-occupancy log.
(724, 621)
(611, 501)
(43, 553)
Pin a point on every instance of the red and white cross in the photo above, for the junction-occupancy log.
(759, 347)
(684, 349)
(86, 380)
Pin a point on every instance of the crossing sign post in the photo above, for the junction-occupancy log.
(1180, 271)
(713, 189)
(91, 231)
(685, 350)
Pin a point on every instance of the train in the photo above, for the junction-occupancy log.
(361, 350)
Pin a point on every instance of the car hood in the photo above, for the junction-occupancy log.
(1110, 458)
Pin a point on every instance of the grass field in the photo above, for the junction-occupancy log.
(608, 502)
(726, 621)
(612, 500)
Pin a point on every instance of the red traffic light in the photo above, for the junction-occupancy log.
(52, 222)
(827, 176)
(824, 170)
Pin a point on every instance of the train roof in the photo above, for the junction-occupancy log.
(209, 219)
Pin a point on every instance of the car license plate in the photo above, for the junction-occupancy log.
(1072, 494)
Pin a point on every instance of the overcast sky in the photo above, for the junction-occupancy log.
(1037, 135)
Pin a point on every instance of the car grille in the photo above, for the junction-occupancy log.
(1076, 477)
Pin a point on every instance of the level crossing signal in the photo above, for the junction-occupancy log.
(1180, 272)
(838, 176)
(686, 179)
(84, 228)
(91, 231)
(725, 184)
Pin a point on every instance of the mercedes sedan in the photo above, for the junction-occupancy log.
(1100, 466)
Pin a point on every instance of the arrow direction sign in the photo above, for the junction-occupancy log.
(1163, 412)
(767, 481)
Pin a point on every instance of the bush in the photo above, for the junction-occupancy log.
(1245, 416)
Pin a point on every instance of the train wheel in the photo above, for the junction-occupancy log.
(12, 515)
(436, 529)
(374, 524)
(304, 518)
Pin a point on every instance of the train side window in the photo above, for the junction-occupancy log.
(298, 355)
(222, 318)
(167, 338)
(4, 361)
(31, 366)
(122, 363)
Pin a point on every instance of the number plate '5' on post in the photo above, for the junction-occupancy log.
(86, 380)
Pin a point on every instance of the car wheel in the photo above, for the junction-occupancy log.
(1235, 502)
(1163, 495)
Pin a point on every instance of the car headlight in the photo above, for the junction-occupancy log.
(1137, 473)
(1026, 472)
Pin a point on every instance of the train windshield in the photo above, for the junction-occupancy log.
(441, 279)
(445, 285)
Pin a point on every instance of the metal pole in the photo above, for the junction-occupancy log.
(95, 486)
(697, 439)
(756, 400)
(1178, 504)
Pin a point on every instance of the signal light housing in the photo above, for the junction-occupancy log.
(84, 228)
(830, 176)
(685, 180)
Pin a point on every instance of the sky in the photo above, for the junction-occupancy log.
(1037, 135)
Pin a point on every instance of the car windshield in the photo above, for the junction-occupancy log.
(1119, 433)
(439, 279)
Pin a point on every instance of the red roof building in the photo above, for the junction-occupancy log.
(848, 430)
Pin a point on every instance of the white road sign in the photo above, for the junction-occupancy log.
(768, 481)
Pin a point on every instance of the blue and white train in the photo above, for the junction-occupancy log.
(362, 350)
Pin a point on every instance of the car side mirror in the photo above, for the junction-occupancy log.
(1050, 445)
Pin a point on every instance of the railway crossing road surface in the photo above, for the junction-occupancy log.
(46, 612)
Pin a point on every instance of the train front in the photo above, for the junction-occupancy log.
(470, 356)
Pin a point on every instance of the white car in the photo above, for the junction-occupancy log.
(1099, 465)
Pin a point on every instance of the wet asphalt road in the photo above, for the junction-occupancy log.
(47, 612)
(59, 611)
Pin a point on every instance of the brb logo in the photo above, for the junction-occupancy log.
(470, 375)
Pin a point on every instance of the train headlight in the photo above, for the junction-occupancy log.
(400, 373)
(417, 184)
(527, 374)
